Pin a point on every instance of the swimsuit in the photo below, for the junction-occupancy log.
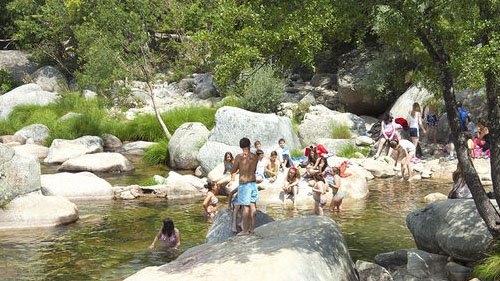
(340, 194)
(214, 202)
(247, 193)
(172, 239)
(321, 201)
(228, 167)
(432, 120)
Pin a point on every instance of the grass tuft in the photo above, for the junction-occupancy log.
(297, 152)
(340, 131)
(156, 154)
(148, 182)
(349, 151)
(489, 268)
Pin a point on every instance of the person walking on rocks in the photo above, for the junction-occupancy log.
(246, 163)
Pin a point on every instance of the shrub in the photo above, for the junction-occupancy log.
(263, 91)
(349, 151)
(489, 268)
(156, 154)
(7, 81)
(148, 182)
(300, 111)
(340, 131)
(297, 152)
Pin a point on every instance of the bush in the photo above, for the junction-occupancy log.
(156, 154)
(297, 152)
(7, 81)
(148, 182)
(349, 151)
(340, 131)
(300, 111)
(263, 91)
(489, 268)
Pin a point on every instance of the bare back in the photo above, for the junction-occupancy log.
(246, 163)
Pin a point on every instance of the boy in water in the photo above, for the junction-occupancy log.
(284, 155)
(246, 163)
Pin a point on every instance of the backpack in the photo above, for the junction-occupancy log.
(401, 121)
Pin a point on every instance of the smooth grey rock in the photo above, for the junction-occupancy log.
(79, 186)
(369, 121)
(220, 230)
(378, 168)
(425, 265)
(50, 79)
(319, 121)
(404, 104)
(10, 139)
(110, 143)
(25, 94)
(61, 150)
(392, 259)
(452, 227)
(19, 174)
(185, 143)
(178, 187)
(186, 84)
(18, 63)
(34, 210)
(36, 150)
(308, 99)
(212, 153)
(436, 196)
(39, 133)
(104, 162)
(364, 141)
(205, 87)
(325, 80)
(372, 272)
(136, 148)
(68, 115)
(88, 94)
(301, 246)
(458, 272)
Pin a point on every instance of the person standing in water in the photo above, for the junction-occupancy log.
(169, 236)
(246, 163)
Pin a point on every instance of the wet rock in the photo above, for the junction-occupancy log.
(372, 272)
(458, 272)
(127, 192)
(440, 228)
(61, 150)
(104, 162)
(110, 143)
(39, 133)
(50, 79)
(136, 148)
(25, 94)
(297, 244)
(79, 186)
(185, 144)
(220, 230)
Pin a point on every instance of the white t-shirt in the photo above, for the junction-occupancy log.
(408, 145)
(261, 165)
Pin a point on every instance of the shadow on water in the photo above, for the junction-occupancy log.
(110, 240)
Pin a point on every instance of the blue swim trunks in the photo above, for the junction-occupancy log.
(247, 193)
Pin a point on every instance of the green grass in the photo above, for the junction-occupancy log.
(148, 182)
(340, 131)
(295, 126)
(156, 154)
(349, 151)
(489, 268)
(297, 152)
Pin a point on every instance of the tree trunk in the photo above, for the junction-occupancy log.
(484, 206)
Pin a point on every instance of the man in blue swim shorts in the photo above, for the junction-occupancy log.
(246, 163)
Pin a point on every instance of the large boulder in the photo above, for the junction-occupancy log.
(18, 63)
(452, 227)
(25, 94)
(220, 230)
(36, 150)
(9, 140)
(110, 143)
(351, 91)
(308, 248)
(50, 79)
(104, 162)
(372, 272)
(232, 124)
(378, 168)
(136, 148)
(79, 186)
(61, 150)
(178, 187)
(355, 185)
(34, 210)
(205, 87)
(185, 143)
(38, 133)
(319, 121)
(324, 80)
(19, 174)
(404, 104)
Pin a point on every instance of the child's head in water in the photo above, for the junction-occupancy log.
(168, 227)
(210, 185)
(281, 142)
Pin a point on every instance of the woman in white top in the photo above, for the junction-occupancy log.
(405, 152)
(388, 133)
(416, 124)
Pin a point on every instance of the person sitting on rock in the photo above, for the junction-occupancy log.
(291, 183)
(226, 177)
(284, 155)
(272, 168)
(388, 129)
(460, 188)
(312, 162)
(482, 136)
(405, 150)
(261, 167)
(169, 235)
(210, 202)
(319, 194)
(333, 180)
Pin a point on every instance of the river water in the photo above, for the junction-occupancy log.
(110, 240)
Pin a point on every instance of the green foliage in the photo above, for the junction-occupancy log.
(7, 81)
(156, 154)
(148, 182)
(300, 111)
(349, 151)
(489, 268)
(340, 131)
(262, 91)
(297, 152)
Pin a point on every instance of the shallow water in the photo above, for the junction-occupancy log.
(110, 240)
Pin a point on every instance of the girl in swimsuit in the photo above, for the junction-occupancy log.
(210, 202)
(319, 194)
(432, 122)
(291, 184)
(334, 184)
(226, 177)
(169, 236)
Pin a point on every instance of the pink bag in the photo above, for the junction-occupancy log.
(478, 152)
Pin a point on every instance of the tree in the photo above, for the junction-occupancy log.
(450, 32)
